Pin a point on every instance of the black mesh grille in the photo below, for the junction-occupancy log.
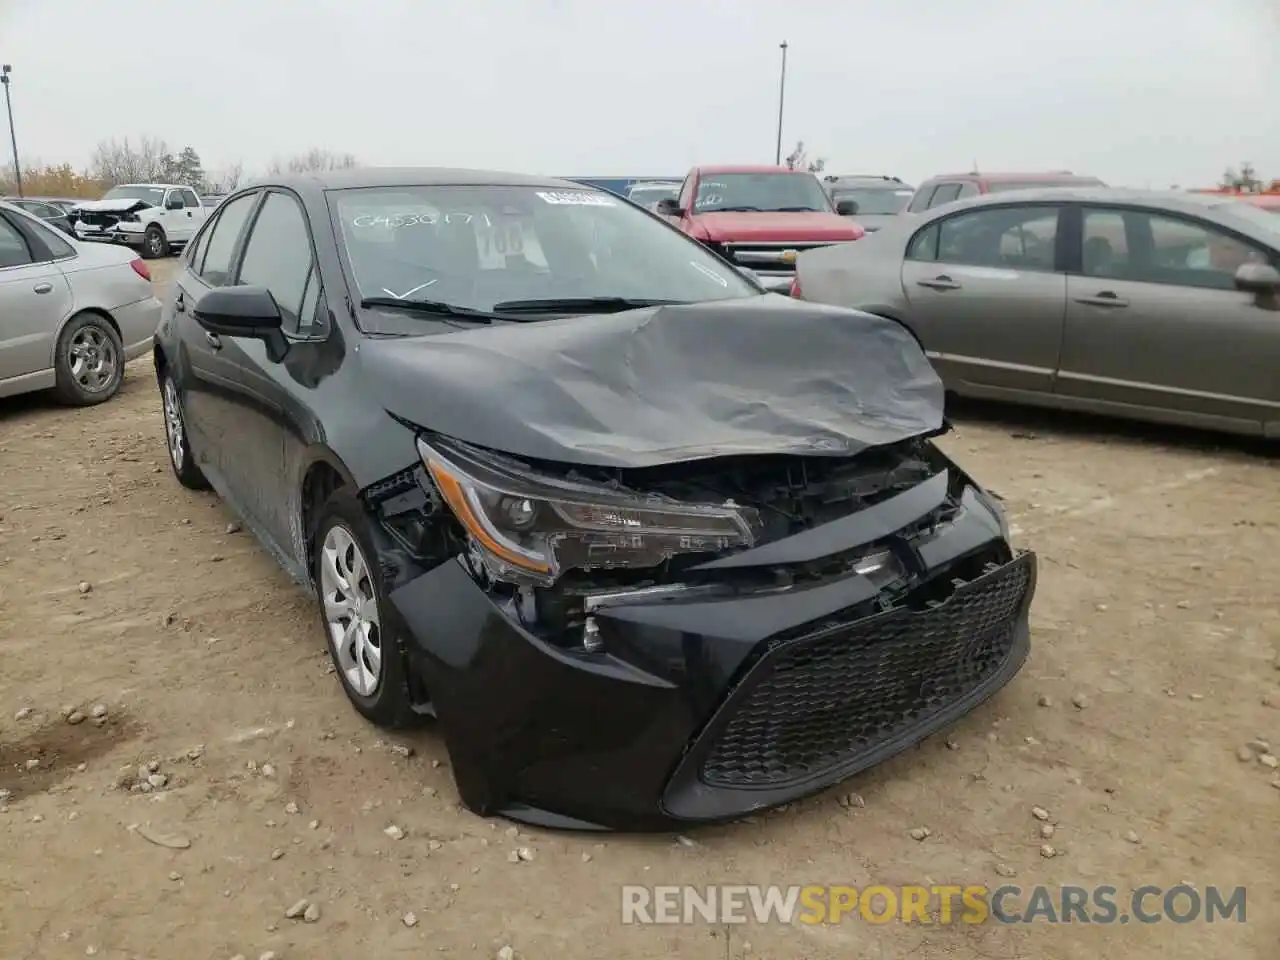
(99, 219)
(819, 701)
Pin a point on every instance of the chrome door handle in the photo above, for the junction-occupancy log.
(213, 340)
(179, 303)
(1104, 299)
(43, 286)
(942, 282)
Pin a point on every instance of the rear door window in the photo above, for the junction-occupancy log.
(215, 266)
(1009, 238)
(14, 251)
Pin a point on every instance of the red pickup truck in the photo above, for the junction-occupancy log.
(759, 217)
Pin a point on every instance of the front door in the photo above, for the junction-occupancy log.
(986, 297)
(34, 298)
(255, 409)
(1154, 321)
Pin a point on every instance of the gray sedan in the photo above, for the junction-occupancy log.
(71, 314)
(1156, 306)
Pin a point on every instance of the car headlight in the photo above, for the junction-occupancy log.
(531, 527)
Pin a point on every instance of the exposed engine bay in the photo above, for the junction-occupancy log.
(783, 495)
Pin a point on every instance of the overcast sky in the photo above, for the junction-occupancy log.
(1136, 91)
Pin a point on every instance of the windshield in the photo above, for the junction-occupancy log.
(760, 191)
(874, 200)
(477, 246)
(152, 195)
(652, 194)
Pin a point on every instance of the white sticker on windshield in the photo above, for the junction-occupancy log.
(577, 198)
(710, 273)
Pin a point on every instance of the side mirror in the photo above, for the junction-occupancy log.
(1262, 280)
(243, 312)
(847, 208)
(669, 207)
(174, 202)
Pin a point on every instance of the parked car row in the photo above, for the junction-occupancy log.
(54, 212)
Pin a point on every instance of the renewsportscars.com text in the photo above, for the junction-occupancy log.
(935, 904)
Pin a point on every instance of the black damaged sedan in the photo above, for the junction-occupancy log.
(652, 545)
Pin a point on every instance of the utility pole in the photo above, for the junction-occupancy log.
(5, 70)
(782, 93)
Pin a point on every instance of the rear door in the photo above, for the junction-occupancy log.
(34, 298)
(193, 215)
(986, 297)
(208, 264)
(1154, 321)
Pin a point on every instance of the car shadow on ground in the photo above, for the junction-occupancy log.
(1030, 422)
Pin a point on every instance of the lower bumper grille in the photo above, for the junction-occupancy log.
(813, 704)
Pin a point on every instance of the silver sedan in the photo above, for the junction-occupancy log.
(1156, 306)
(71, 314)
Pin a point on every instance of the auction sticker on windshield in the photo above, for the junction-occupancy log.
(576, 198)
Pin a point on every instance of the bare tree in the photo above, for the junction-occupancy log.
(317, 158)
(1246, 180)
(798, 159)
(228, 179)
(119, 161)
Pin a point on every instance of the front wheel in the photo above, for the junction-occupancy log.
(363, 633)
(154, 243)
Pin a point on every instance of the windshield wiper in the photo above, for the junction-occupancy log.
(579, 305)
(733, 210)
(436, 307)
(797, 210)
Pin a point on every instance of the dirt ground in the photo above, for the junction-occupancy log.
(1156, 613)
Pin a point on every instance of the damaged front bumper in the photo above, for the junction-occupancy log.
(710, 703)
(129, 234)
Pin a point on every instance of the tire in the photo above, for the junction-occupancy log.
(177, 440)
(344, 553)
(154, 243)
(88, 361)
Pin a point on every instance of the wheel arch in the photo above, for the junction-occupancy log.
(323, 473)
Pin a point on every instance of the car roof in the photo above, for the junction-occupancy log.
(355, 177)
(747, 168)
(1213, 206)
(883, 183)
(1063, 175)
(1192, 203)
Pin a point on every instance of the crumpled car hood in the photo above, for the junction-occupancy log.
(121, 205)
(760, 375)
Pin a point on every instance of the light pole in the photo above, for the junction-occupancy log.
(5, 70)
(782, 93)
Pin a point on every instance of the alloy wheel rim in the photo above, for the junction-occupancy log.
(154, 240)
(173, 424)
(92, 359)
(351, 610)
